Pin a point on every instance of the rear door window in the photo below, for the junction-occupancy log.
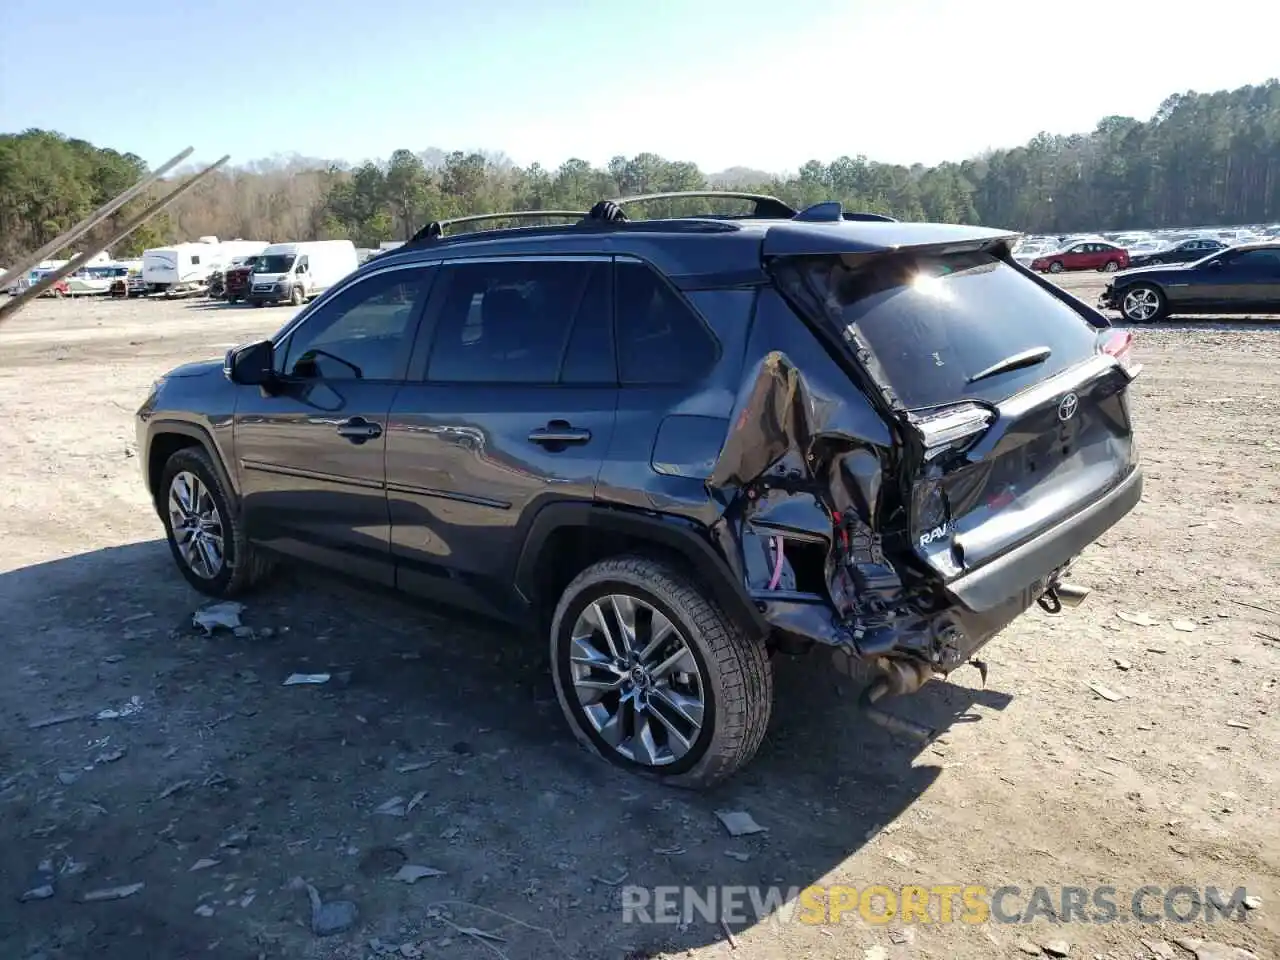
(933, 322)
(523, 321)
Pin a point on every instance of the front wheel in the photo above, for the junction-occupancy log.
(653, 676)
(1056, 267)
(296, 297)
(1143, 304)
(204, 531)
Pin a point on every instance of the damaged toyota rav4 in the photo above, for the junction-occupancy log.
(672, 447)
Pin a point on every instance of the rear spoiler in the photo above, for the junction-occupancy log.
(797, 238)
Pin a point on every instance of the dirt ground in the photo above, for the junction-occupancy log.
(1039, 780)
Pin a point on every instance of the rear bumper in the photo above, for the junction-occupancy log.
(993, 584)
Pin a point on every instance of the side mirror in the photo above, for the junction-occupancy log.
(251, 364)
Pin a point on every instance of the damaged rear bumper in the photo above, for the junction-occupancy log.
(975, 607)
(993, 583)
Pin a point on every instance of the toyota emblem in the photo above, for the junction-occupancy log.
(1068, 406)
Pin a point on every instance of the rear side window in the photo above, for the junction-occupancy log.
(933, 322)
(660, 339)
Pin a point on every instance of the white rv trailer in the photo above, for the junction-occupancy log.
(181, 265)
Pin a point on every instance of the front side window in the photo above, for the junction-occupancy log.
(1261, 261)
(360, 334)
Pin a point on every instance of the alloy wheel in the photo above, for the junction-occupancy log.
(1140, 305)
(196, 525)
(637, 680)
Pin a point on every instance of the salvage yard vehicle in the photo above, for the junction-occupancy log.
(1185, 251)
(237, 277)
(1235, 280)
(1083, 255)
(674, 447)
(296, 272)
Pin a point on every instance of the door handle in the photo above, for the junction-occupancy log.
(358, 430)
(559, 432)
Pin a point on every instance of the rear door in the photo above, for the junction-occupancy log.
(1017, 417)
(511, 404)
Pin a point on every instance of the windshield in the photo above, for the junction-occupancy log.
(933, 322)
(275, 263)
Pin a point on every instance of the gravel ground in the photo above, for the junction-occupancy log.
(1130, 742)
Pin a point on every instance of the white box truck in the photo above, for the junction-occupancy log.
(296, 272)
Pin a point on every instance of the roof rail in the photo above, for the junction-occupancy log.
(832, 211)
(766, 207)
(436, 228)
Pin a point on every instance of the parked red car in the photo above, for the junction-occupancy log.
(1084, 255)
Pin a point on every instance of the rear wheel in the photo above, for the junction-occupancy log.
(656, 678)
(1111, 266)
(1143, 303)
(1056, 267)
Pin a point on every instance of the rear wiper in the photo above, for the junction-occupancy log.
(1027, 358)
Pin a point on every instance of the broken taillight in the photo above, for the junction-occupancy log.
(947, 428)
(1119, 344)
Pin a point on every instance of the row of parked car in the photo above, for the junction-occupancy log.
(1125, 251)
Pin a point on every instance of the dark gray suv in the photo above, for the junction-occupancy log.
(674, 447)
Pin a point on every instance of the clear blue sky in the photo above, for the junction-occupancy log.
(760, 83)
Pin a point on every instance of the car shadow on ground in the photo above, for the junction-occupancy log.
(418, 700)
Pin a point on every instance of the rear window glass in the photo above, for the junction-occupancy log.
(935, 321)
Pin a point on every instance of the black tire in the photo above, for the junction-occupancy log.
(296, 297)
(257, 303)
(233, 299)
(738, 688)
(243, 568)
(1162, 302)
(1056, 267)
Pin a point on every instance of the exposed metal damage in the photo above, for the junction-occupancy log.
(803, 499)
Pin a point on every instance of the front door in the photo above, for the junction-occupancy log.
(1252, 283)
(310, 451)
(510, 405)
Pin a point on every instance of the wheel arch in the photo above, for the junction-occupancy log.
(587, 532)
(167, 437)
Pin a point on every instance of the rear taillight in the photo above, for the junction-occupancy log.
(1119, 344)
(952, 427)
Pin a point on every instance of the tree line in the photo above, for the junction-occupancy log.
(1203, 159)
